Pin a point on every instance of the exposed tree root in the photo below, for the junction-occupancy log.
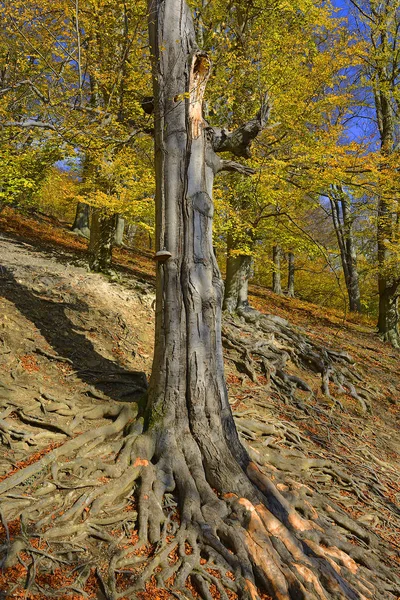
(268, 345)
(158, 513)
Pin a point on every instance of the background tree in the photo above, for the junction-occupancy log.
(377, 24)
(80, 81)
(343, 224)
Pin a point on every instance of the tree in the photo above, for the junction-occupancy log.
(276, 274)
(234, 529)
(343, 224)
(297, 54)
(81, 221)
(228, 508)
(291, 273)
(73, 70)
(378, 23)
(238, 271)
(25, 164)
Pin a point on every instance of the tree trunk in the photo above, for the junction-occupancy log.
(276, 274)
(228, 510)
(388, 278)
(238, 271)
(187, 380)
(81, 222)
(343, 225)
(388, 222)
(291, 271)
(102, 234)
(130, 234)
(388, 312)
(119, 231)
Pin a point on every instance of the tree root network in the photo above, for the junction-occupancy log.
(114, 504)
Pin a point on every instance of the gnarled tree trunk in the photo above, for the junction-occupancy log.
(230, 513)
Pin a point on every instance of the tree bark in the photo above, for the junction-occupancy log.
(388, 221)
(228, 509)
(276, 274)
(187, 380)
(119, 231)
(388, 312)
(291, 272)
(343, 225)
(238, 272)
(81, 222)
(102, 233)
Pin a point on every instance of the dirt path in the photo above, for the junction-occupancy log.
(67, 335)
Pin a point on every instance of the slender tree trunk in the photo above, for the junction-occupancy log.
(276, 274)
(291, 271)
(387, 225)
(388, 278)
(238, 272)
(130, 234)
(343, 225)
(81, 222)
(102, 233)
(119, 231)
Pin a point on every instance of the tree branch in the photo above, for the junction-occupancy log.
(29, 83)
(231, 165)
(29, 123)
(239, 141)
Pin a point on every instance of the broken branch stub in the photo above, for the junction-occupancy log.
(199, 74)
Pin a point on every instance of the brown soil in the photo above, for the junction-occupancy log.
(72, 341)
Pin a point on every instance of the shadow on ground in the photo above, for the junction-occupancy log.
(68, 340)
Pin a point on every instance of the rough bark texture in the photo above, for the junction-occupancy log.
(291, 273)
(276, 274)
(238, 272)
(343, 224)
(81, 222)
(102, 233)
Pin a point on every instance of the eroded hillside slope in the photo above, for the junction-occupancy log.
(316, 398)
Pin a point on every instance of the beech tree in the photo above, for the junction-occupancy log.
(238, 272)
(70, 71)
(229, 510)
(291, 273)
(276, 274)
(378, 24)
(201, 497)
(343, 218)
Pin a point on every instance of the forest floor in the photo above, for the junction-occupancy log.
(74, 344)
